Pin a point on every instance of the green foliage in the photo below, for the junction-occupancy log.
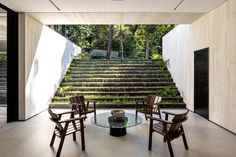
(3, 56)
(155, 56)
(133, 37)
(163, 64)
(168, 92)
(84, 56)
(62, 90)
(98, 57)
(67, 78)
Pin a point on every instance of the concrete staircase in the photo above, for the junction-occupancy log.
(3, 82)
(117, 83)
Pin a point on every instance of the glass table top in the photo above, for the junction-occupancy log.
(103, 120)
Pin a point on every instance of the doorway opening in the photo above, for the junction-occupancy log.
(201, 82)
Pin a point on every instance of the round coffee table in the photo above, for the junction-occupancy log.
(116, 128)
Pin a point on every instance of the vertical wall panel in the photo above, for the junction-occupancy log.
(216, 30)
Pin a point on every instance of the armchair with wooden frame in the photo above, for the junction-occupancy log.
(169, 129)
(149, 106)
(79, 104)
(66, 127)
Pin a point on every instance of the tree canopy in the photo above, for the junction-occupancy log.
(132, 39)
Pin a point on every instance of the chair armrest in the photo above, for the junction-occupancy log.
(170, 113)
(68, 112)
(160, 120)
(73, 119)
(137, 103)
(92, 101)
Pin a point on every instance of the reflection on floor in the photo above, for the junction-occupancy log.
(31, 139)
(3, 115)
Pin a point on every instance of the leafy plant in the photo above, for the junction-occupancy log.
(67, 78)
(3, 56)
(69, 70)
(163, 64)
(168, 91)
(98, 57)
(62, 90)
(155, 56)
(84, 56)
(133, 38)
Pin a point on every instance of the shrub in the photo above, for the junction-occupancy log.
(155, 56)
(84, 56)
(67, 78)
(62, 90)
(98, 57)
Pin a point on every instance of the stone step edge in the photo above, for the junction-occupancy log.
(113, 98)
(170, 105)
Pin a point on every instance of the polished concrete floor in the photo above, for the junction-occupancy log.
(31, 139)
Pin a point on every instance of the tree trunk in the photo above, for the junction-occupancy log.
(147, 42)
(110, 36)
(121, 43)
(63, 30)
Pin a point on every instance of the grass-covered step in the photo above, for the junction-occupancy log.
(115, 65)
(120, 98)
(119, 75)
(117, 61)
(109, 84)
(117, 93)
(124, 88)
(119, 72)
(117, 83)
(115, 68)
(3, 79)
(3, 83)
(3, 69)
(119, 80)
(4, 75)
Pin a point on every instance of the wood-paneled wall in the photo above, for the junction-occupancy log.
(216, 30)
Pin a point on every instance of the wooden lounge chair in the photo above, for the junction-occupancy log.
(79, 104)
(66, 127)
(169, 129)
(149, 106)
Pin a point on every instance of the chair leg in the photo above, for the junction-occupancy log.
(60, 146)
(53, 139)
(95, 117)
(170, 147)
(95, 114)
(185, 141)
(184, 138)
(150, 135)
(164, 139)
(74, 136)
(82, 134)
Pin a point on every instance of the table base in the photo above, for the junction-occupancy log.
(118, 132)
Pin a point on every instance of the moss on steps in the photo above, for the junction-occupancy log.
(114, 82)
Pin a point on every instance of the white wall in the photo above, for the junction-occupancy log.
(181, 61)
(216, 30)
(47, 57)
